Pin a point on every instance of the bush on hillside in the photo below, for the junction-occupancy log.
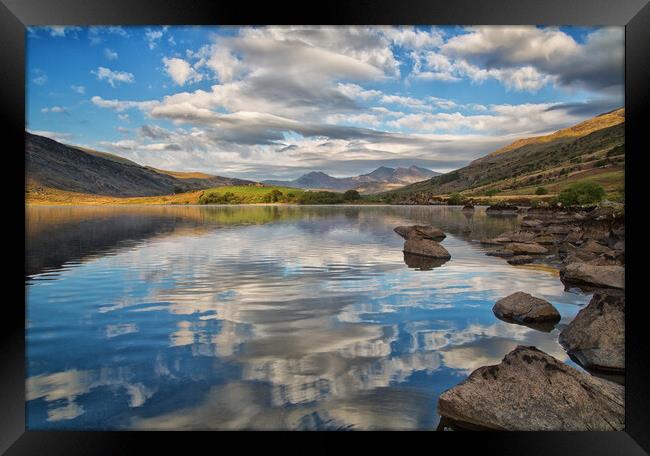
(581, 193)
(541, 191)
(455, 199)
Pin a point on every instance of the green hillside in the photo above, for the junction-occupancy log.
(593, 150)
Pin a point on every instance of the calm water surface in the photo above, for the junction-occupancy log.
(262, 317)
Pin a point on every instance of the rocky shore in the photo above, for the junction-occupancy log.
(587, 246)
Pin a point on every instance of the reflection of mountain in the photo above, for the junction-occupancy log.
(381, 179)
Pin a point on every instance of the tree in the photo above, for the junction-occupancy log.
(455, 199)
(273, 196)
(351, 195)
(581, 193)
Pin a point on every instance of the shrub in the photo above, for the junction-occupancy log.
(541, 191)
(351, 195)
(455, 199)
(273, 196)
(491, 192)
(581, 193)
(320, 198)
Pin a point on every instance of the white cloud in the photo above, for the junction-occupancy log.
(79, 89)
(54, 109)
(113, 77)
(110, 54)
(62, 31)
(120, 105)
(181, 71)
(153, 36)
(527, 57)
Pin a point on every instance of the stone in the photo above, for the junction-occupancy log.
(608, 276)
(520, 248)
(421, 231)
(532, 391)
(423, 263)
(426, 247)
(524, 308)
(596, 336)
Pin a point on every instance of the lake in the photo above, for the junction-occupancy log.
(263, 317)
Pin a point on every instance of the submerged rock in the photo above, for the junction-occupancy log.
(521, 307)
(608, 276)
(596, 336)
(421, 231)
(532, 391)
(426, 247)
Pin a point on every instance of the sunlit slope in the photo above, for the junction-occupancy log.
(588, 150)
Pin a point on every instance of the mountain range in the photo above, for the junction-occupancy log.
(381, 179)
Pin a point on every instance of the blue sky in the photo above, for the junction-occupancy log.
(276, 102)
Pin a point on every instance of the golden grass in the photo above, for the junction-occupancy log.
(589, 126)
(49, 196)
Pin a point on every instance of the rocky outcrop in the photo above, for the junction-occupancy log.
(420, 231)
(596, 336)
(426, 247)
(532, 391)
(521, 307)
(576, 241)
(593, 275)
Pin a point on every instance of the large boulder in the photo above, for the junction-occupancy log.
(596, 336)
(532, 391)
(426, 247)
(421, 231)
(597, 276)
(520, 248)
(521, 307)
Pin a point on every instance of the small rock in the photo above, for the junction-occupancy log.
(612, 276)
(519, 248)
(532, 391)
(596, 336)
(524, 308)
(421, 231)
(426, 247)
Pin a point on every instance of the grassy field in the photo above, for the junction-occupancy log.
(51, 196)
(246, 194)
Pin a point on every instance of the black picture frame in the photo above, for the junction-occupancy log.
(15, 15)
